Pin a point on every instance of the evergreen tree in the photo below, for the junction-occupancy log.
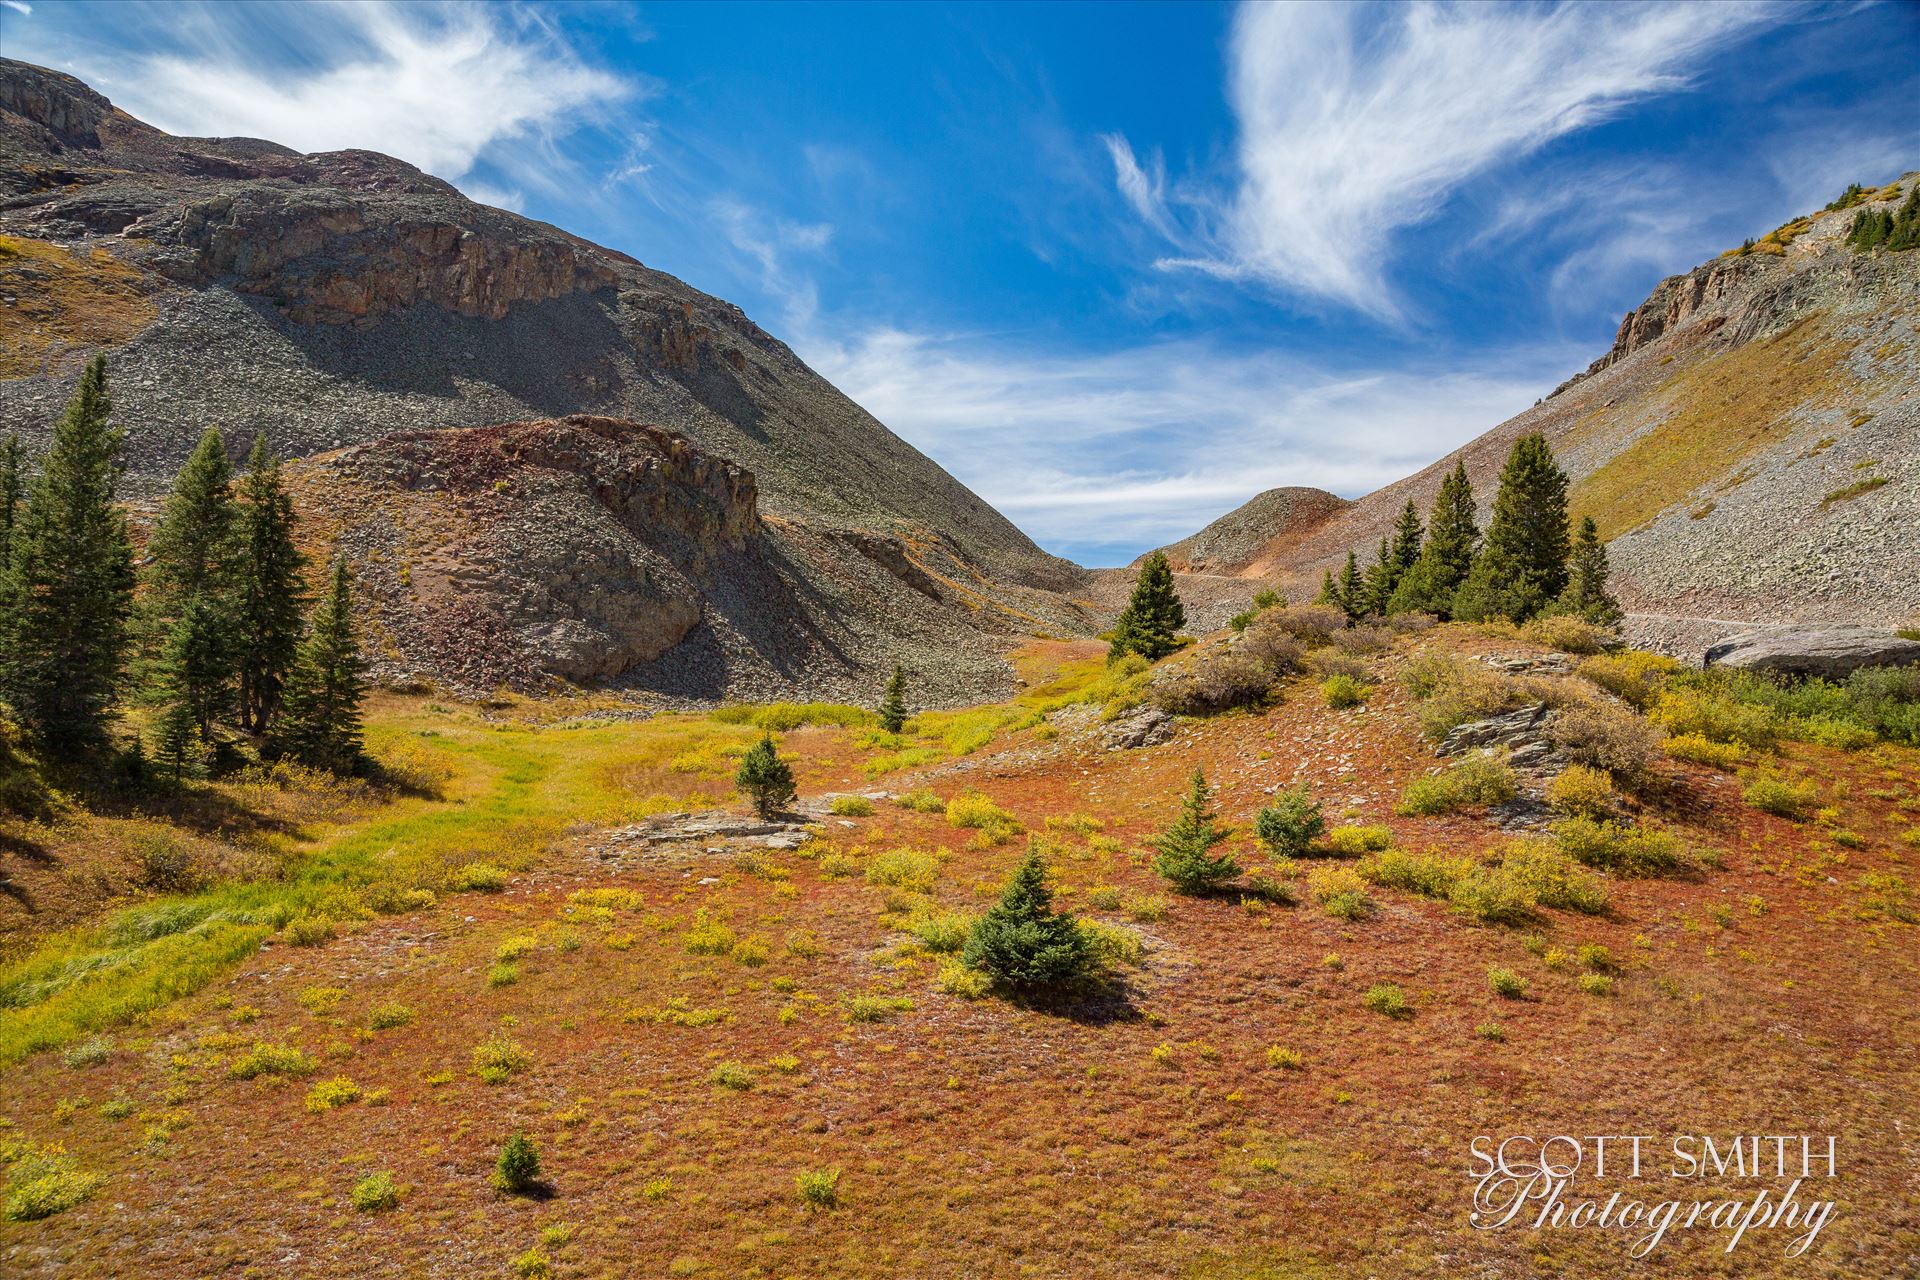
(1184, 851)
(765, 777)
(517, 1171)
(13, 481)
(1447, 556)
(1022, 942)
(268, 593)
(1378, 581)
(1523, 565)
(177, 742)
(190, 559)
(1153, 617)
(1586, 595)
(68, 584)
(1351, 593)
(320, 708)
(893, 707)
(1329, 591)
(191, 670)
(1406, 541)
(191, 551)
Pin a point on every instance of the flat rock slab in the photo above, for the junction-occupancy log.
(1518, 730)
(1832, 653)
(1147, 727)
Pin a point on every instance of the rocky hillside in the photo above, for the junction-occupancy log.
(1750, 445)
(335, 299)
(1256, 533)
(594, 550)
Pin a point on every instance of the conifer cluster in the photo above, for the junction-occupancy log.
(208, 634)
(1529, 563)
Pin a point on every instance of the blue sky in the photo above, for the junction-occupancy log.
(1117, 267)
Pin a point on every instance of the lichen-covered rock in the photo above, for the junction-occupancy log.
(1832, 653)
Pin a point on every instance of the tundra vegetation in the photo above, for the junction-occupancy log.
(401, 967)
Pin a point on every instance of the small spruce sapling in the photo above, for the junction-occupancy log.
(1022, 942)
(1184, 851)
(765, 777)
(893, 706)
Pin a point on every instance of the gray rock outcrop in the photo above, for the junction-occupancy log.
(1831, 653)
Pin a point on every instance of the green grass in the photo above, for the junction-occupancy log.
(512, 789)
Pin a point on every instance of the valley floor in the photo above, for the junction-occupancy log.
(685, 1029)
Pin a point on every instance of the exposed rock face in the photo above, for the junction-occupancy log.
(1146, 727)
(328, 300)
(1832, 653)
(594, 550)
(1525, 729)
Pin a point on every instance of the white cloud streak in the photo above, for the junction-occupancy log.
(1146, 445)
(438, 86)
(1356, 122)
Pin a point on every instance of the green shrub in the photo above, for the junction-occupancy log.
(851, 807)
(43, 1181)
(1285, 1059)
(766, 779)
(1506, 983)
(90, 1052)
(956, 979)
(270, 1060)
(1146, 908)
(819, 1188)
(1476, 780)
(1454, 690)
(1712, 712)
(1351, 841)
(922, 801)
(1291, 823)
(517, 1171)
(498, 1058)
(1111, 945)
(1617, 847)
(1700, 749)
(1550, 878)
(1344, 691)
(1604, 736)
(1424, 874)
(1569, 633)
(1492, 895)
(1582, 791)
(1596, 984)
(385, 1017)
(329, 1094)
(1772, 793)
(908, 869)
(376, 1193)
(534, 1264)
(1388, 999)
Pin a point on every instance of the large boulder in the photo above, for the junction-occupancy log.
(1829, 652)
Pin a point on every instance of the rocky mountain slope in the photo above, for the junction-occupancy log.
(336, 299)
(1750, 446)
(1254, 533)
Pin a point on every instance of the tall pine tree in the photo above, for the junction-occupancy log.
(1586, 595)
(1523, 565)
(68, 584)
(1378, 582)
(1351, 591)
(1452, 539)
(13, 483)
(268, 593)
(1151, 622)
(319, 720)
(190, 559)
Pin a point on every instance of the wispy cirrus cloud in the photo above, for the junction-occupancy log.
(441, 86)
(1098, 455)
(1356, 122)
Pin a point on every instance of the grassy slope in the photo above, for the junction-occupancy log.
(1769, 995)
